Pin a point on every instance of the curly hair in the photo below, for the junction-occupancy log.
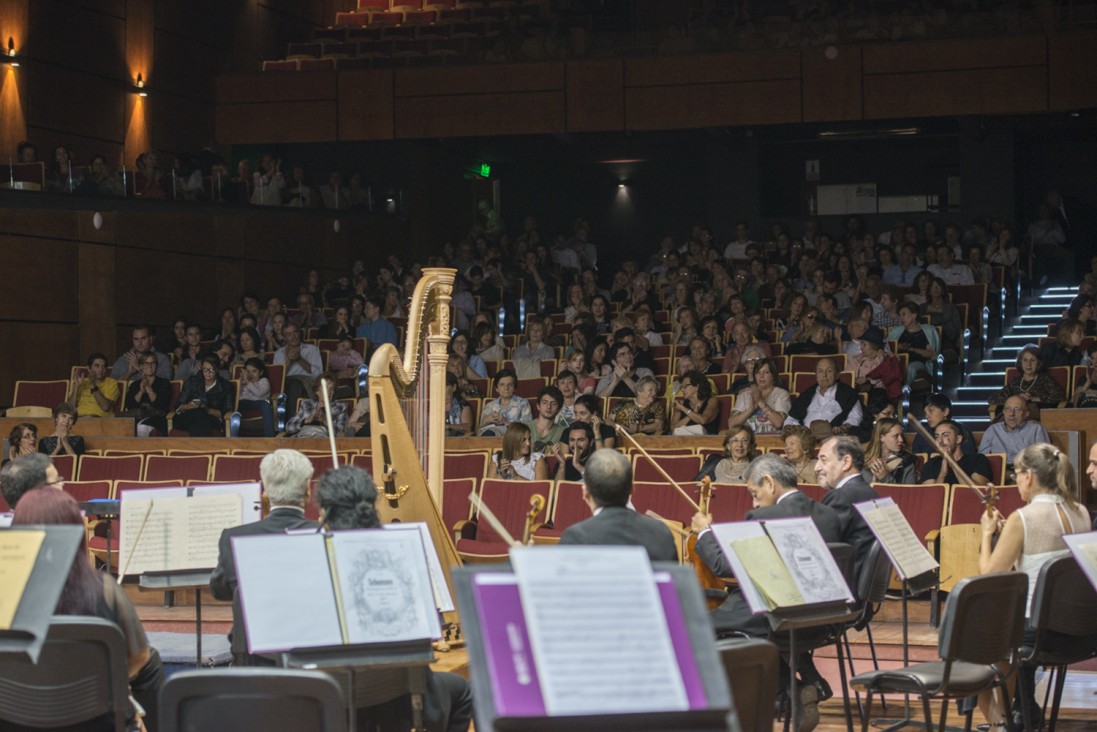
(347, 496)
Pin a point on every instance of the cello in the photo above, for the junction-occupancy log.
(705, 576)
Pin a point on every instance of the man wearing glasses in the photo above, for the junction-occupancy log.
(1014, 433)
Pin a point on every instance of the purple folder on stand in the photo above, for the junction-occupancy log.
(516, 688)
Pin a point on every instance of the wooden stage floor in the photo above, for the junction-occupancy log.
(1078, 713)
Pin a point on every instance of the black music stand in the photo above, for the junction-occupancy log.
(169, 582)
(107, 509)
(31, 621)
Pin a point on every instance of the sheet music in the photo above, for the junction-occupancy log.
(809, 560)
(598, 630)
(179, 534)
(285, 592)
(18, 553)
(385, 586)
(251, 497)
(1084, 549)
(908, 555)
(726, 535)
(442, 598)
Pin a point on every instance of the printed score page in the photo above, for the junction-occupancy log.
(749, 533)
(442, 597)
(908, 555)
(179, 534)
(18, 553)
(598, 630)
(385, 586)
(286, 592)
(1084, 549)
(808, 560)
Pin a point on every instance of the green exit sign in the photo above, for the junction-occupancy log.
(485, 170)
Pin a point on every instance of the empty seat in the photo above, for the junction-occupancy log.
(102, 467)
(184, 468)
(46, 394)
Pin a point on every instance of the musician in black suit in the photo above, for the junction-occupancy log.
(771, 481)
(606, 490)
(839, 466)
(285, 475)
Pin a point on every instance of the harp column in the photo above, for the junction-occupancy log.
(437, 358)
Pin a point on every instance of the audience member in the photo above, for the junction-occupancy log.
(950, 441)
(517, 460)
(505, 408)
(255, 391)
(887, 459)
(643, 414)
(623, 380)
(375, 329)
(828, 405)
(528, 356)
(588, 409)
(800, 451)
(310, 419)
(62, 441)
(93, 393)
(1014, 433)
(696, 411)
(571, 459)
(920, 342)
(732, 465)
(127, 367)
(1032, 385)
(22, 441)
(303, 366)
(765, 404)
(25, 473)
(205, 401)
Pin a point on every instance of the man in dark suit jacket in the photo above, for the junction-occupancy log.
(285, 475)
(771, 481)
(839, 466)
(606, 490)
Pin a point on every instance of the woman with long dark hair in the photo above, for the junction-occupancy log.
(89, 592)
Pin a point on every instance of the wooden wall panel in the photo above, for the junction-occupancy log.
(479, 80)
(832, 86)
(595, 95)
(366, 105)
(709, 105)
(181, 231)
(967, 53)
(259, 87)
(712, 68)
(275, 122)
(96, 284)
(158, 286)
(46, 223)
(45, 351)
(37, 292)
(471, 115)
(981, 91)
(72, 104)
(1072, 70)
(85, 40)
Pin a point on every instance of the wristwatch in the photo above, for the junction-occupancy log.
(94, 389)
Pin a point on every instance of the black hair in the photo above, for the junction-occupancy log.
(347, 496)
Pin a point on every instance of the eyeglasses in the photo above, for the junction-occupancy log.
(208, 370)
(810, 317)
(1014, 410)
(149, 363)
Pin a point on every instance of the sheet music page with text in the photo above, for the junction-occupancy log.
(809, 560)
(598, 630)
(908, 555)
(442, 597)
(179, 534)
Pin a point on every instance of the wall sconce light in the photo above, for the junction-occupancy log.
(9, 57)
(139, 87)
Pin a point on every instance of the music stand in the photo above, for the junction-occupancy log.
(169, 582)
(106, 509)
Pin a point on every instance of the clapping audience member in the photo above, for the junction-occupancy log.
(255, 391)
(303, 367)
(62, 441)
(517, 460)
(268, 182)
(22, 441)
(887, 459)
(148, 399)
(643, 414)
(93, 393)
(127, 367)
(695, 411)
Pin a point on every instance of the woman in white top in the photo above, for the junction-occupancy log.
(1031, 537)
(764, 405)
(516, 461)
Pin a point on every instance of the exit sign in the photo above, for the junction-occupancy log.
(485, 170)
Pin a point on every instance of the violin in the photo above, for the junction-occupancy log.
(705, 576)
(536, 506)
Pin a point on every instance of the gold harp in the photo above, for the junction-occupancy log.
(411, 488)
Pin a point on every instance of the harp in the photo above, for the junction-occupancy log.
(408, 449)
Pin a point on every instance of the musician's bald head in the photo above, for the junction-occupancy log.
(608, 478)
(285, 475)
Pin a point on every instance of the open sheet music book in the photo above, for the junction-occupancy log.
(1084, 549)
(173, 534)
(782, 564)
(908, 555)
(311, 590)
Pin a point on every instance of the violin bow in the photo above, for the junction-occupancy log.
(622, 431)
(327, 418)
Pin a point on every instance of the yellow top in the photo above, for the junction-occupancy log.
(87, 406)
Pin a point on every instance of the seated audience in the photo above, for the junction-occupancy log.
(475, 368)
(340, 325)
(920, 341)
(700, 353)
(545, 428)
(624, 379)
(311, 420)
(877, 370)
(644, 414)
(303, 367)
(1013, 433)
(458, 411)
(94, 394)
(566, 382)
(943, 313)
(255, 392)
(94, 593)
(148, 399)
(375, 329)
(487, 349)
(517, 460)
(1033, 384)
(950, 438)
(800, 451)
(827, 406)
(25, 473)
(22, 441)
(695, 411)
(588, 409)
(343, 362)
(528, 356)
(887, 459)
(764, 405)
(505, 408)
(1085, 393)
(1066, 349)
(571, 459)
(204, 401)
(732, 465)
(62, 441)
(347, 498)
(938, 408)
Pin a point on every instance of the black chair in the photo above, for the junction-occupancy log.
(80, 676)
(245, 698)
(751, 668)
(1063, 617)
(872, 587)
(983, 624)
